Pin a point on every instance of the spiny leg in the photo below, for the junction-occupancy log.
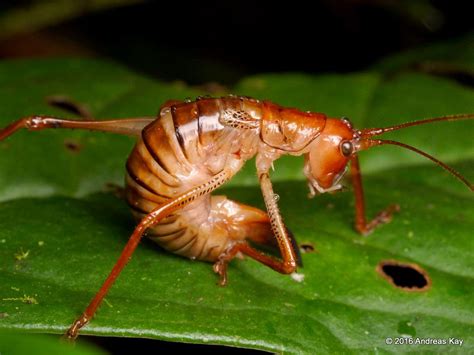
(361, 224)
(128, 126)
(148, 221)
(244, 222)
(286, 245)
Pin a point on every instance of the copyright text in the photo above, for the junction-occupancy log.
(423, 341)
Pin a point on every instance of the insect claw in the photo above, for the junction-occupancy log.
(312, 191)
(67, 339)
(73, 331)
(223, 280)
(220, 268)
(383, 217)
(70, 336)
(386, 215)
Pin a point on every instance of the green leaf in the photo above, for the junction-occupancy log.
(20, 344)
(61, 231)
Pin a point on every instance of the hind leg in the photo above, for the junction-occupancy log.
(152, 218)
(246, 223)
(241, 221)
(128, 126)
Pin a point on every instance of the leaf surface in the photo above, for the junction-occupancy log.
(61, 229)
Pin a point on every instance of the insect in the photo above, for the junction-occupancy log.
(193, 147)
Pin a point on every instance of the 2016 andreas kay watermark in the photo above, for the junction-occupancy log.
(424, 341)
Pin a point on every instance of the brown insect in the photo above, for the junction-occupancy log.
(192, 148)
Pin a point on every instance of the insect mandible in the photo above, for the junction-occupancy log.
(192, 148)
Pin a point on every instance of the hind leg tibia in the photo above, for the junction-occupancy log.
(245, 223)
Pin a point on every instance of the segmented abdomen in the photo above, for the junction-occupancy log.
(182, 149)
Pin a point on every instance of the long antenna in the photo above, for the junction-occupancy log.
(366, 143)
(369, 132)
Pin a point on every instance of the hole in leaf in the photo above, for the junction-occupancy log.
(69, 105)
(307, 248)
(72, 145)
(406, 276)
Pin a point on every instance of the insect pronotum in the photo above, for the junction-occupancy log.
(192, 148)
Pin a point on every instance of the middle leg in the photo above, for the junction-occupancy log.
(286, 244)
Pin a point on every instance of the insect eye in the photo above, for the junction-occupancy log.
(346, 148)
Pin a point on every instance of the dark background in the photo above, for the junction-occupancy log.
(222, 41)
(216, 43)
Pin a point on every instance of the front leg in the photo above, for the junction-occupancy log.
(286, 245)
(361, 224)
